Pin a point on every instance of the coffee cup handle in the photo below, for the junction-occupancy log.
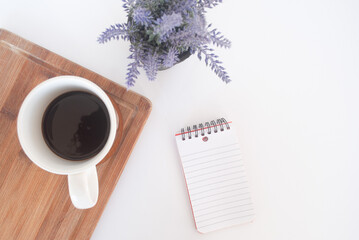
(83, 188)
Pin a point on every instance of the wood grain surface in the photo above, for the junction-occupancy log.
(35, 204)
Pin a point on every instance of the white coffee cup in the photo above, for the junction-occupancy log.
(82, 175)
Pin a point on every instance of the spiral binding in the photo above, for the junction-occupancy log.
(203, 128)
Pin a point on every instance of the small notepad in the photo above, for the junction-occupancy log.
(215, 175)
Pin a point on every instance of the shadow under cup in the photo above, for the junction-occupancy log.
(30, 124)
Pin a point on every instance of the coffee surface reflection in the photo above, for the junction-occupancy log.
(76, 125)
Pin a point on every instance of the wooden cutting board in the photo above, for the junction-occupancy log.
(35, 204)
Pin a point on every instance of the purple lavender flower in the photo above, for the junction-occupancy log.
(114, 32)
(142, 16)
(127, 4)
(209, 3)
(183, 7)
(132, 71)
(171, 58)
(150, 64)
(218, 39)
(212, 61)
(166, 24)
(195, 34)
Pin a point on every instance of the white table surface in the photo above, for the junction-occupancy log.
(294, 99)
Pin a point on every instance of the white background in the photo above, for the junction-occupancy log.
(294, 100)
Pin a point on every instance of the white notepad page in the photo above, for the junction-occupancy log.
(216, 179)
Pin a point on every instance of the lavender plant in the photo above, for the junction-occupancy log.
(161, 32)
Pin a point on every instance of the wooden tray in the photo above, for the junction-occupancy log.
(35, 204)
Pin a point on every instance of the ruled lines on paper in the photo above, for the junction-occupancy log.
(217, 186)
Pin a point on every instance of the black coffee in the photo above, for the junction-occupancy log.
(76, 125)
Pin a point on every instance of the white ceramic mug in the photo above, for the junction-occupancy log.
(82, 175)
